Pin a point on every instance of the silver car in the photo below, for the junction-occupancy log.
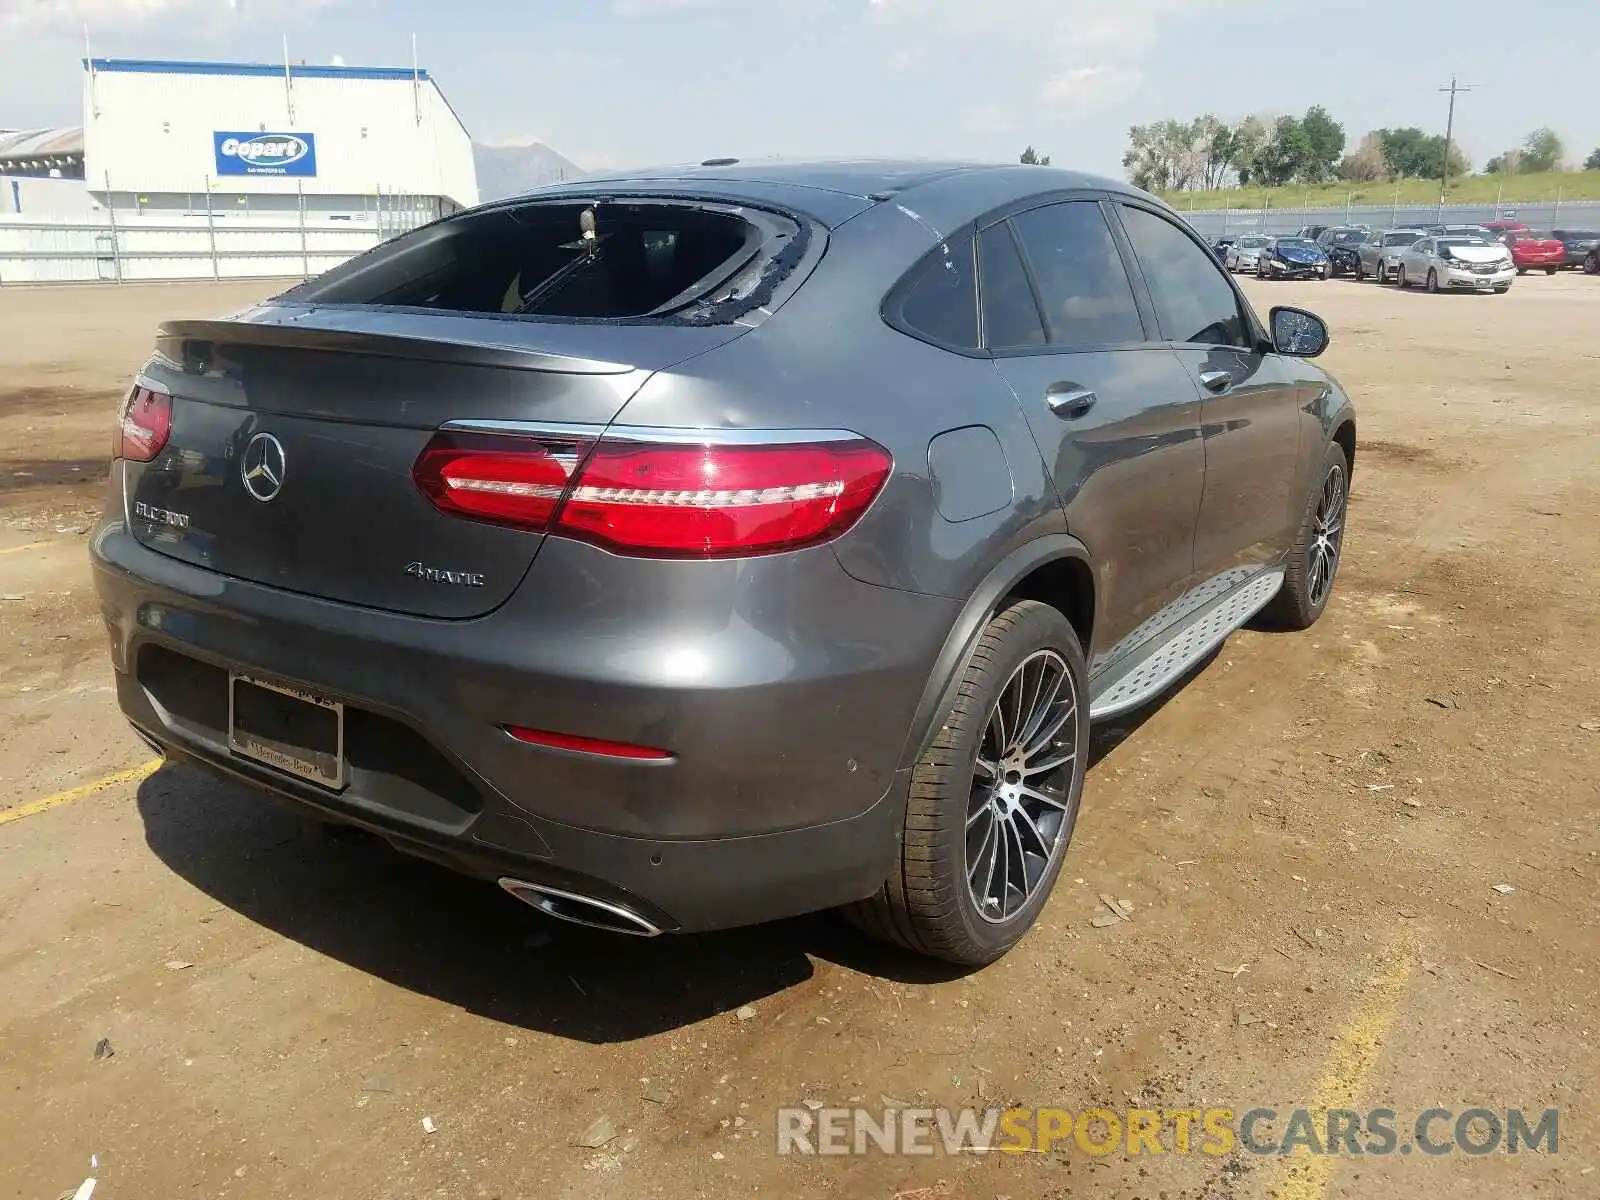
(1456, 263)
(1245, 253)
(1380, 253)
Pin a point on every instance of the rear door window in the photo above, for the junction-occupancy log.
(573, 259)
(1194, 301)
(942, 304)
(1010, 313)
(1083, 285)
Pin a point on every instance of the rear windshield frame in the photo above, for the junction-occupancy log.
(776, 242)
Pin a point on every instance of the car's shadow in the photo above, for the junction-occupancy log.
(465, 942)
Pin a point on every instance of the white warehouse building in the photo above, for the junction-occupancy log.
(195, 170)
(263, 137)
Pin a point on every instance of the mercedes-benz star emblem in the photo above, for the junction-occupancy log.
(263, 467)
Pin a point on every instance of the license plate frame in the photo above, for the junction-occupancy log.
(324, 768)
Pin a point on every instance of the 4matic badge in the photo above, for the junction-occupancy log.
(439, 575)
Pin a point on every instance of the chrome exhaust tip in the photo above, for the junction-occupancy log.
(580, 910)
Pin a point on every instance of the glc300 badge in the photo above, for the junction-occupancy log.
(439, 575)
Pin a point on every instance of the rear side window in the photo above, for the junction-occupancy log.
(1083, 285)
(608, 260)
(1010, 316)
(942, 304)
(1193, 299)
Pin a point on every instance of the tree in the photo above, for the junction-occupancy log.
(1412, 154)
(1323, 138)
(1542, 150)
(1366, 165)
(1248, 138)
(1592, 163)
(1283, 155)
(1509, 163)
(1033, 158)
(1160, 155)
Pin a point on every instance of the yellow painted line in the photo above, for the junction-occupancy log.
(34, 807)
(20, 549)
(1345, 1075)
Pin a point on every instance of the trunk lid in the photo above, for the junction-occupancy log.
(337, 404)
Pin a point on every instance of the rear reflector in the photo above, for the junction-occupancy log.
(505, 480)
(143, 426)
(668, 500)
(584, 745)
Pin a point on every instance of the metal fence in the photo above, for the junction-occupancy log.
(1553, 214)
(126, 244)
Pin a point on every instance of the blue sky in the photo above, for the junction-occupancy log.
(612, 83)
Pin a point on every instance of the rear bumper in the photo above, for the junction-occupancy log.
(784, 688)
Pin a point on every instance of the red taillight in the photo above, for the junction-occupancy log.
(658, 499)
(143, 426)
(666, 500)
(585, 745)
(505, 480)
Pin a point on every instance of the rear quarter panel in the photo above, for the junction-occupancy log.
(828, 360)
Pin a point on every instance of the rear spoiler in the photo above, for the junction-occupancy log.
(485, 340)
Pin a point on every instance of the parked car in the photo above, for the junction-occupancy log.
(1379, 255)
(1477, 231)
(1244, 253)
(1313, 232)
(1504, 225)
(1578, 243)
(1342, 245)
(1532, 251)
(1292, 258)
(446, 545)
(1220, 247)
(1456, 263)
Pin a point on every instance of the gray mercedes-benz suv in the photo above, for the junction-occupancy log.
(700, 547)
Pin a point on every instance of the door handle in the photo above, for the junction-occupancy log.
(1069, 401)
(1216, 381)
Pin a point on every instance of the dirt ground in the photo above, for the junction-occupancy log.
(1311, 832)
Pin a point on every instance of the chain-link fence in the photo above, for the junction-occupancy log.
(206, 234)
(1551, 214)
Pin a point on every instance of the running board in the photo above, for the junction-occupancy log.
(1155, 667)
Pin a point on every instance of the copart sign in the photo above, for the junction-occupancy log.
(291, 154)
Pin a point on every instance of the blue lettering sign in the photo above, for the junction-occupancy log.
(290, 154)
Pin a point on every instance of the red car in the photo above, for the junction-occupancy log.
(1532, 251)
(1504, 226)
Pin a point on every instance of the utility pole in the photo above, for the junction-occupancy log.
(1449, 130)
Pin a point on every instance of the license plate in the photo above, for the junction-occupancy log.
(1483, 285)
(288, 728)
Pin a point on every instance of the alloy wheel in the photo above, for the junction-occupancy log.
(1022, 786)
(1327, 536)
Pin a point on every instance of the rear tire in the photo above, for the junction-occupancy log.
(1433, 282)
(1313, 561)
(967, 789)
(1360, 271)
(1383, 273)
(1591, 265)
(1552, 270)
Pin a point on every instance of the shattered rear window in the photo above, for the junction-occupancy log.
(684, 261)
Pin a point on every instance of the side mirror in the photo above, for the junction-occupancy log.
(1297, 332)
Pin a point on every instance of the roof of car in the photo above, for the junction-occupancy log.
(855, 177)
